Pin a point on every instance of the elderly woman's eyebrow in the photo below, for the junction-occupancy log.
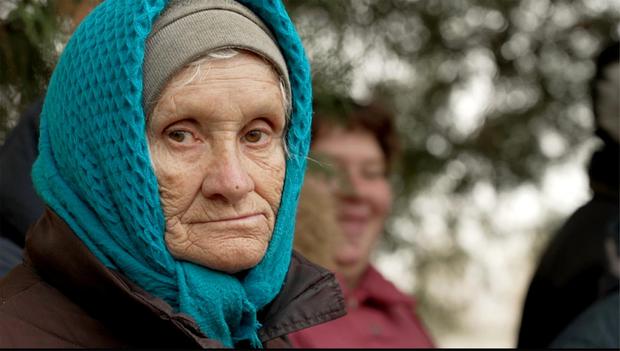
(186, 105)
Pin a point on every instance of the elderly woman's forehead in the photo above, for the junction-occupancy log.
(244, 64)
(201, 84)
(233, 67)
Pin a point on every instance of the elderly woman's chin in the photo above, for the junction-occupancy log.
(228, 247)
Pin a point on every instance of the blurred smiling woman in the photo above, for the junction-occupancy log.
(356, 146)
(173, 143)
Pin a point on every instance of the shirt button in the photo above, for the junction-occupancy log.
(352, 303)
(375, 330)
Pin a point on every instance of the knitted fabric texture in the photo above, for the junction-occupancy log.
(94, 168)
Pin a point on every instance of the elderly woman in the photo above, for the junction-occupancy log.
(173, 144)
(357, 145)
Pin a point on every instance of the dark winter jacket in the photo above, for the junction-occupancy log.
(19, 204)
(62, 296)
(597, 327)
(575, 269)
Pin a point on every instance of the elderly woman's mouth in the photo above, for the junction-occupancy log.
(234, 219)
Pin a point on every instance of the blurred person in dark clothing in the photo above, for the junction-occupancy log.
(19, 204)
(598, 326)
(574, 271)
(10, 255)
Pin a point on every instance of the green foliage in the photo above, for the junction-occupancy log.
(28, 35)
(536, 54)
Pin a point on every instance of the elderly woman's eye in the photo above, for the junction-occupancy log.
(254, 136)
(179, 136)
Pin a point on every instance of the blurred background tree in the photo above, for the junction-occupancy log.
(492, 103)
(32, 34)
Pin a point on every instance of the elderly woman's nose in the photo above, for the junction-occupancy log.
(227, 178)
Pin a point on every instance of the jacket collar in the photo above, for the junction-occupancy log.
(309, 296)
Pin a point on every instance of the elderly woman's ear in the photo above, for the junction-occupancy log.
(216, 143)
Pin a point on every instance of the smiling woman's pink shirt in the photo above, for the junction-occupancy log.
(378, 316)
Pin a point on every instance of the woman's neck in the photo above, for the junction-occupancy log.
(351, 277)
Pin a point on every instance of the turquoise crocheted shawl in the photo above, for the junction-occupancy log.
(94, 168)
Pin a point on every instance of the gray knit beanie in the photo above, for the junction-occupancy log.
(189, 29)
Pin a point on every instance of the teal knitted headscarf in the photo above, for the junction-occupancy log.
(94, 167)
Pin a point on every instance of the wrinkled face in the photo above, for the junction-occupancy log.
(216, 147)
(363, 196)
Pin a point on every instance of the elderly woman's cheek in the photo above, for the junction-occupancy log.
(270, 171)
(176, 178)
